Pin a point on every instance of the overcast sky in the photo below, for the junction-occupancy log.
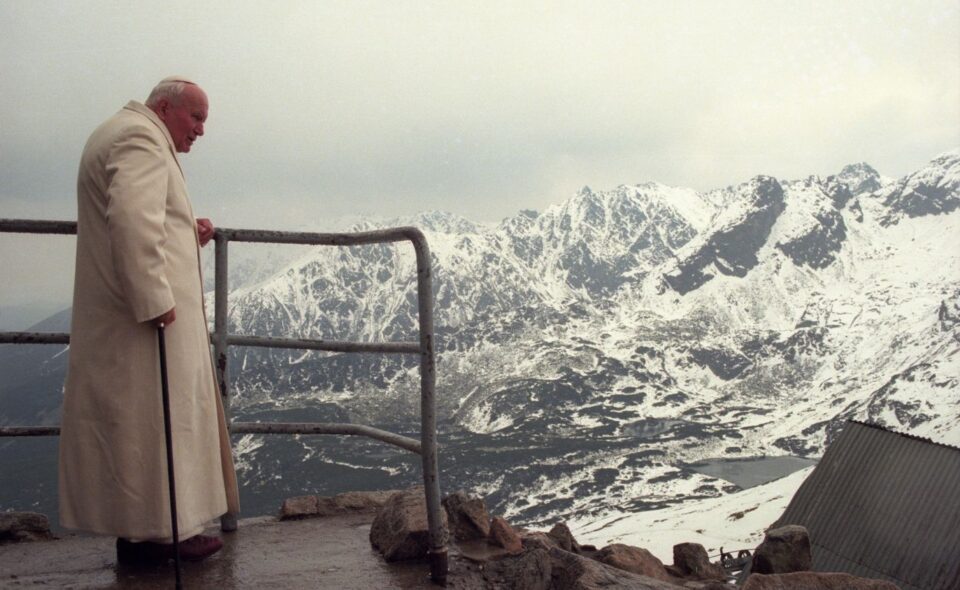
(325, 109)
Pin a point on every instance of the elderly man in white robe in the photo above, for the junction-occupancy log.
(138, 266)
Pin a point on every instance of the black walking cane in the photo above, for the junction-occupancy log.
(165, 388)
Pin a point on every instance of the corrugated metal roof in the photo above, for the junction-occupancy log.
(885, 505)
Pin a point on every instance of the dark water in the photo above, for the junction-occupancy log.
(754, 471)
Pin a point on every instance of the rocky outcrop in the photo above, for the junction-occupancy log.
(468, 516)
(932, 190)
(564, 538)
(783, 550)
(634, 560)
(400, 529)
(733, 248)
(529, 560)
(818, 246)
(17, 527)
(691, 560)
(570, 571)
(814, 581)
(531, 571)
(502, 534)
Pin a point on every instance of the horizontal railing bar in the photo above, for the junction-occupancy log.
(403, 442)
(325, 428)
(36, 226)
(396, 234)
(34, 338)
(30, 431)
(327, 345)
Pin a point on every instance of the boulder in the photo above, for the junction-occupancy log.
(570, 571)
(814, 581)
(353, 502)
(17, 527)
(400, 530)
(502, 534)
(298, 507)
(564, 538)
(538, 540)
(691, 560)
(633, 559)
(783, 550)
(468, 516)
(346, 503)
(531, 571)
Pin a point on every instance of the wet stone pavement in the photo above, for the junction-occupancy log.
(321, 553)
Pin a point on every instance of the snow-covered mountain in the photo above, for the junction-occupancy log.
(592, 354)
(621, 335)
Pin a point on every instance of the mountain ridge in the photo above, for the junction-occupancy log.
(589, 354)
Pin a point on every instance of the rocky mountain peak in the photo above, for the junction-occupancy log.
(859, 178)
(932, 190)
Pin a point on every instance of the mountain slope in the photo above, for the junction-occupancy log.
(591, 354)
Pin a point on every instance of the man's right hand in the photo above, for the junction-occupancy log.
(165, 319)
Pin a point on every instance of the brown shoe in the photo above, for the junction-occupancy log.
(198, 547)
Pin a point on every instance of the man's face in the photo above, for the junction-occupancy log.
(184, 117)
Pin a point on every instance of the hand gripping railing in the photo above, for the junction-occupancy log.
(426, 447)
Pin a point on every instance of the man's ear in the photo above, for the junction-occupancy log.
(162, 105)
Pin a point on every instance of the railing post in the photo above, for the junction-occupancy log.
(228, 522)
(428, 413)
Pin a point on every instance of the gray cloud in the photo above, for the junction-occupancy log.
(336, 108)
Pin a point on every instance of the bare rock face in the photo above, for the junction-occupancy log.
(633, 559)
(17, 527)
(468, 516)
(814, 581)
(784, 550)
(570, 571)
(564, 538)
(502, 534)
(691, 559)
(531, 571)
(400, 529)
(538, 540)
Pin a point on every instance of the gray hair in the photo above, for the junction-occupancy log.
(169, 88)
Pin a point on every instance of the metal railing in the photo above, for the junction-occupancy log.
(426, 447)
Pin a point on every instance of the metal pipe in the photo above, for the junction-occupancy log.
(397, 234)
(409, 444)
(34, 338)
(428, 413)
(30, 431)
(228, 521)
(221, 287)
(403, 442)
(37, 226)
(327, 345)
